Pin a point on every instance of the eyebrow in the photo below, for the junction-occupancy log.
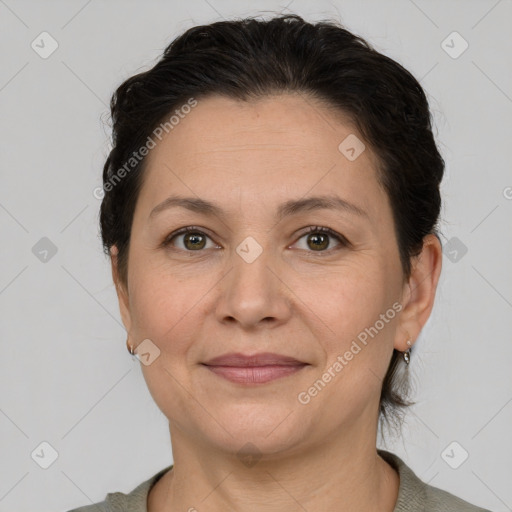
(291, 207)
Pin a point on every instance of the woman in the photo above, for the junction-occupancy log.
(270, 210)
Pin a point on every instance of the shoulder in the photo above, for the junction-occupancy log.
(95, 507)
(439, 500)
(415, 495)
(134, 501)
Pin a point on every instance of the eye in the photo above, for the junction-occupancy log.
(193, 240)
(318, 238)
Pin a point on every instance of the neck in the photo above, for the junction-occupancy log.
(334, 474)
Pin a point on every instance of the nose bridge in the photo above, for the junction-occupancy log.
(252, 292)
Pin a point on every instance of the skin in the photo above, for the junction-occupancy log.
(195, 304)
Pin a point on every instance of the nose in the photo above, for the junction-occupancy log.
(254, 293)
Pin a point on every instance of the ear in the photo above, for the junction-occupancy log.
(122, 292)
(419, 292)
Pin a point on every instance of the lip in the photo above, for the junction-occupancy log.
(261, 359)
(254, 369)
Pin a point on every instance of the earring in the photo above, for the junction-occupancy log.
(407, 353)
(130, 349)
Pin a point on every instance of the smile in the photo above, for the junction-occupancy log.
(255, 374)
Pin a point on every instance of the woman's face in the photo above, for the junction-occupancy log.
(251, 279)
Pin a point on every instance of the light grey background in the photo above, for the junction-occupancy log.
(65, 375)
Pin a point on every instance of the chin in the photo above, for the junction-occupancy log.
(263, 428)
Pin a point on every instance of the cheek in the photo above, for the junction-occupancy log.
(362, 339)
(351, 300)
(160, 308)
(352, 307)
(164, 312)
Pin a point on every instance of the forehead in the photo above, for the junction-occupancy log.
(273, 122)
(278, 147)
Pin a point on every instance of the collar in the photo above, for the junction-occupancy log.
(411, 492)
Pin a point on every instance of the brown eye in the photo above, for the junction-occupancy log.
(318, 239)
(192, 239)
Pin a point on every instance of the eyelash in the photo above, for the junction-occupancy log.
(312, 229)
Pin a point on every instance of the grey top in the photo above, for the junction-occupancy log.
(413, 494)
